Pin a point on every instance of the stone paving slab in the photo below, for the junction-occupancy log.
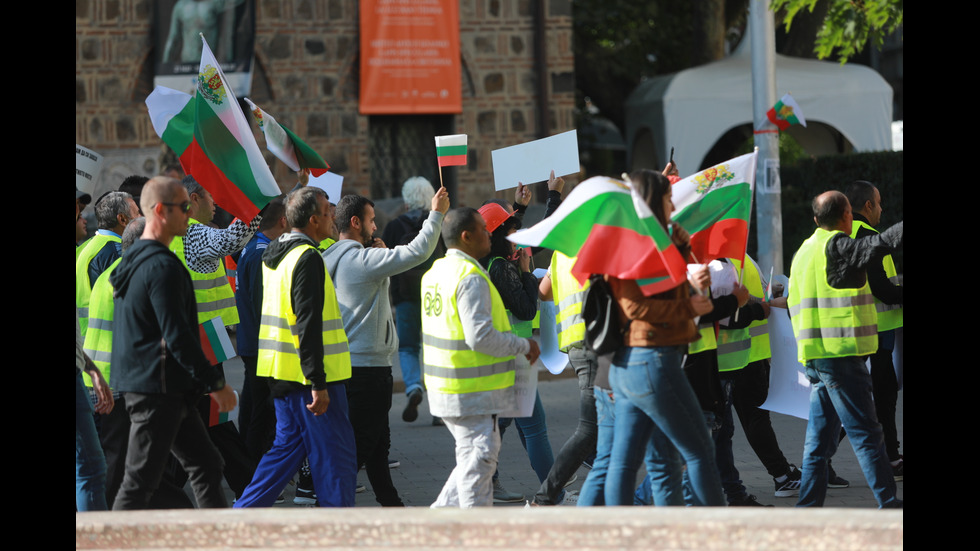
(600, 528)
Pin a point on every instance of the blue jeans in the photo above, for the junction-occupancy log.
(408, 324)
(89, 460)
(841, 395)
(652, 393)
(593, 490)
(533, 431)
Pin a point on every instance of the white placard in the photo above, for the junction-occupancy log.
(533, 161)
(88, 164)
(329, 182)
(553, 359)
(789, 389)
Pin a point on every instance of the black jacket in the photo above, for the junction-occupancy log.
(308, 287)
(156, 344)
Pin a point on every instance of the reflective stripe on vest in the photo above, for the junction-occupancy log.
(278, 335)
(569, 295)
(452, 367)
(83, 285)
(828, 322)
(212, 292)
(98, 339)
(890, 316)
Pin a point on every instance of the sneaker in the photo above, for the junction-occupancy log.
(899, 470)
(501, 495)
(588, 463)
(437, 422)
(571, 481)
(748, 500)
(304, 496)
(411, 412)
(281, 499)
(791, 486)
(834, 481)
(571, 499)
(360, 489)
(394, 463)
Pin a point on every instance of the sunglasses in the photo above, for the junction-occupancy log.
(183, 207)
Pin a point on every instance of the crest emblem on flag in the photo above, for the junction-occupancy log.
(210, 85)
(257, 113)
(708, 178)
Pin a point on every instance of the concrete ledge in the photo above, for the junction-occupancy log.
(566, 528)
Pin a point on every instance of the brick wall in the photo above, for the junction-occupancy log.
(306, 75)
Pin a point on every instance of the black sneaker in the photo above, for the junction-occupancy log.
(394, 463)
(411, 412)
(899, 470)
(748, 500)
(791, 486)
(834, 481)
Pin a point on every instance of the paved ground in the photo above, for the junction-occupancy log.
(427, 456)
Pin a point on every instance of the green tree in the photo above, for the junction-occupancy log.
(847, 24)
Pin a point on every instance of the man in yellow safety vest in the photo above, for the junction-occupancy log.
(469, 357)
(835, 325)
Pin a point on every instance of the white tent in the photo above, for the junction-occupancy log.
(692, 109)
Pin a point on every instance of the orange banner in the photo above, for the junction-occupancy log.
(410, 59)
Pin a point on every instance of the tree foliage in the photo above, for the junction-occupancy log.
(848, 24)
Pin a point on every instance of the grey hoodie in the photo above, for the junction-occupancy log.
(360, 276)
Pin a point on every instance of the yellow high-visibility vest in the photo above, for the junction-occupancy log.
(452, 367)
(279, 337)
(212, 292)
(828, 322)
(83, 285)
(98, 338)
(738, 348)
(569, 296)
(890, 316)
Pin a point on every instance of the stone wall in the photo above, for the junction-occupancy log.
(306, 74)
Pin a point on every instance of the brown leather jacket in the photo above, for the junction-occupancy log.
(666, 319)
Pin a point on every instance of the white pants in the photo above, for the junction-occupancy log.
(477, 445)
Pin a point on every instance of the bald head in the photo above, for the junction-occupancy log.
(159, 189)
(832, 211)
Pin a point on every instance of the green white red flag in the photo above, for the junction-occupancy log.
(612, 231)
(216, 416)
(786, 113)
(215, 342)
(714, 206)
(213, 140)
(451, 150)
(286, 146)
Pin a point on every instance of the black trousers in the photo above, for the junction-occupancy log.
(369, 400)
(750, 390)
(161, 424)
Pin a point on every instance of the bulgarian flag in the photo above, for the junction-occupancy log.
(215, 342)
(216, 416)
(286, 146)
(714, 206)
(786, 113)
(451, 150)
(612, 231)
(213, 140)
